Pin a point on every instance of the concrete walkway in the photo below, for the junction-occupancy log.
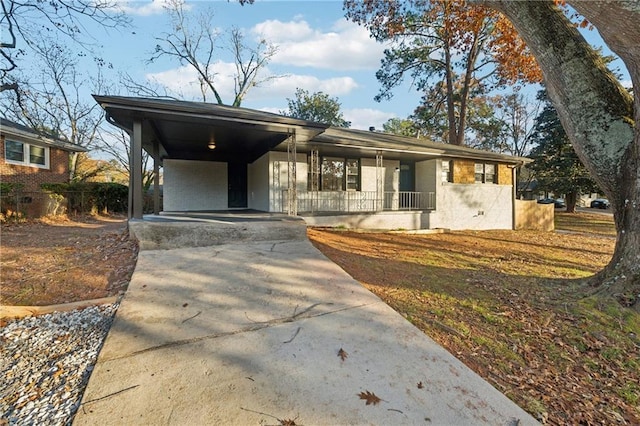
(249, 333)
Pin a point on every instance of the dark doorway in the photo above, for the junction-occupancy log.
(407, 184)
(407, 176)
(237, 178)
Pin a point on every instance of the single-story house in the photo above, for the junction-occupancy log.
(31, 158)
(223, 158)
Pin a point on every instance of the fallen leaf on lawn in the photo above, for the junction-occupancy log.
(287, 422)
(420, 385)
(370, 397)
(342, 354)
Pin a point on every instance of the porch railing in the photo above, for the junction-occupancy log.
(360, 201)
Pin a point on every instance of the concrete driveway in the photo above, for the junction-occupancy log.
(250, 333)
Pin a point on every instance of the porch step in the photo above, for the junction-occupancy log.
(170, 234)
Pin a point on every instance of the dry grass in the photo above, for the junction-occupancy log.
(57, 260)
(511, 305)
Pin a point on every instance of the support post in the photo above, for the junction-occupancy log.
(292, 159)
(514, 183)
(156, 177)
(379, 182)
(135, 190)
(315, 178)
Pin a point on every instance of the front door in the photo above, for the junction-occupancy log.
(237, 178)
(407, 185)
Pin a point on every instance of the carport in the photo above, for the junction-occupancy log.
(200, 131)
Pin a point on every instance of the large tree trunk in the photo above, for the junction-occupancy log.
(596, 112)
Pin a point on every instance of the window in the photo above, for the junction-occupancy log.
(485, 173)
(26, 154)
(447, 171)
(37, 155)
(14, 151)
(339, 174)
(353, 175)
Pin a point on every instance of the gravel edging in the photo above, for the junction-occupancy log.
(46, 363)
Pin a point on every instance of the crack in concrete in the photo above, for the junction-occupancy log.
(304, 314)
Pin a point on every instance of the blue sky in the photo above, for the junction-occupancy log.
(318, 50)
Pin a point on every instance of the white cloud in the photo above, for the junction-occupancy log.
(363, 118)
(154, 7)
(346, 47)
(287, 85)
(184, 80)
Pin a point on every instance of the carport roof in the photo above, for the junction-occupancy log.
(184, 129)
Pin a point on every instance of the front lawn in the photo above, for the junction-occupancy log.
(510, 305)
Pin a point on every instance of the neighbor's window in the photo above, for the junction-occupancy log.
(37, 155)
(14, 151)
(447, 171)
(26, 154)
(338, 174)
(485, 173)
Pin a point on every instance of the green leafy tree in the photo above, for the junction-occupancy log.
(556, 165)
(401, 127)
(317, 107)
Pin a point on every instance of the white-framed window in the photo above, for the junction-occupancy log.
(26, 154)
(485, 173)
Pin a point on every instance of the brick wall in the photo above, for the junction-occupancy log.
(33, 177)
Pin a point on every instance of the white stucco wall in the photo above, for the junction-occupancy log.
(379, 220)
(427, 173)
(258, 184)
(194, 185)
(368, 174)
(472, 206)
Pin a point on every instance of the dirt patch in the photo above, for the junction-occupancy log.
(54, 261)
(511, 306)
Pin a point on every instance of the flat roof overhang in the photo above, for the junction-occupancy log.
(340, 142)
(184, 130)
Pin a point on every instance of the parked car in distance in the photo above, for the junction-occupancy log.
(558, 203)
(600, 203)
(546, 201)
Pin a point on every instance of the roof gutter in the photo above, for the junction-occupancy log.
(58, 143)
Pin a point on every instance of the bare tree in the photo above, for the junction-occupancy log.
(115, 143)
(22, 21)
(197, 43)
(53, 99)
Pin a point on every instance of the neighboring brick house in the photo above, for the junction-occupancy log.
(31, 159)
